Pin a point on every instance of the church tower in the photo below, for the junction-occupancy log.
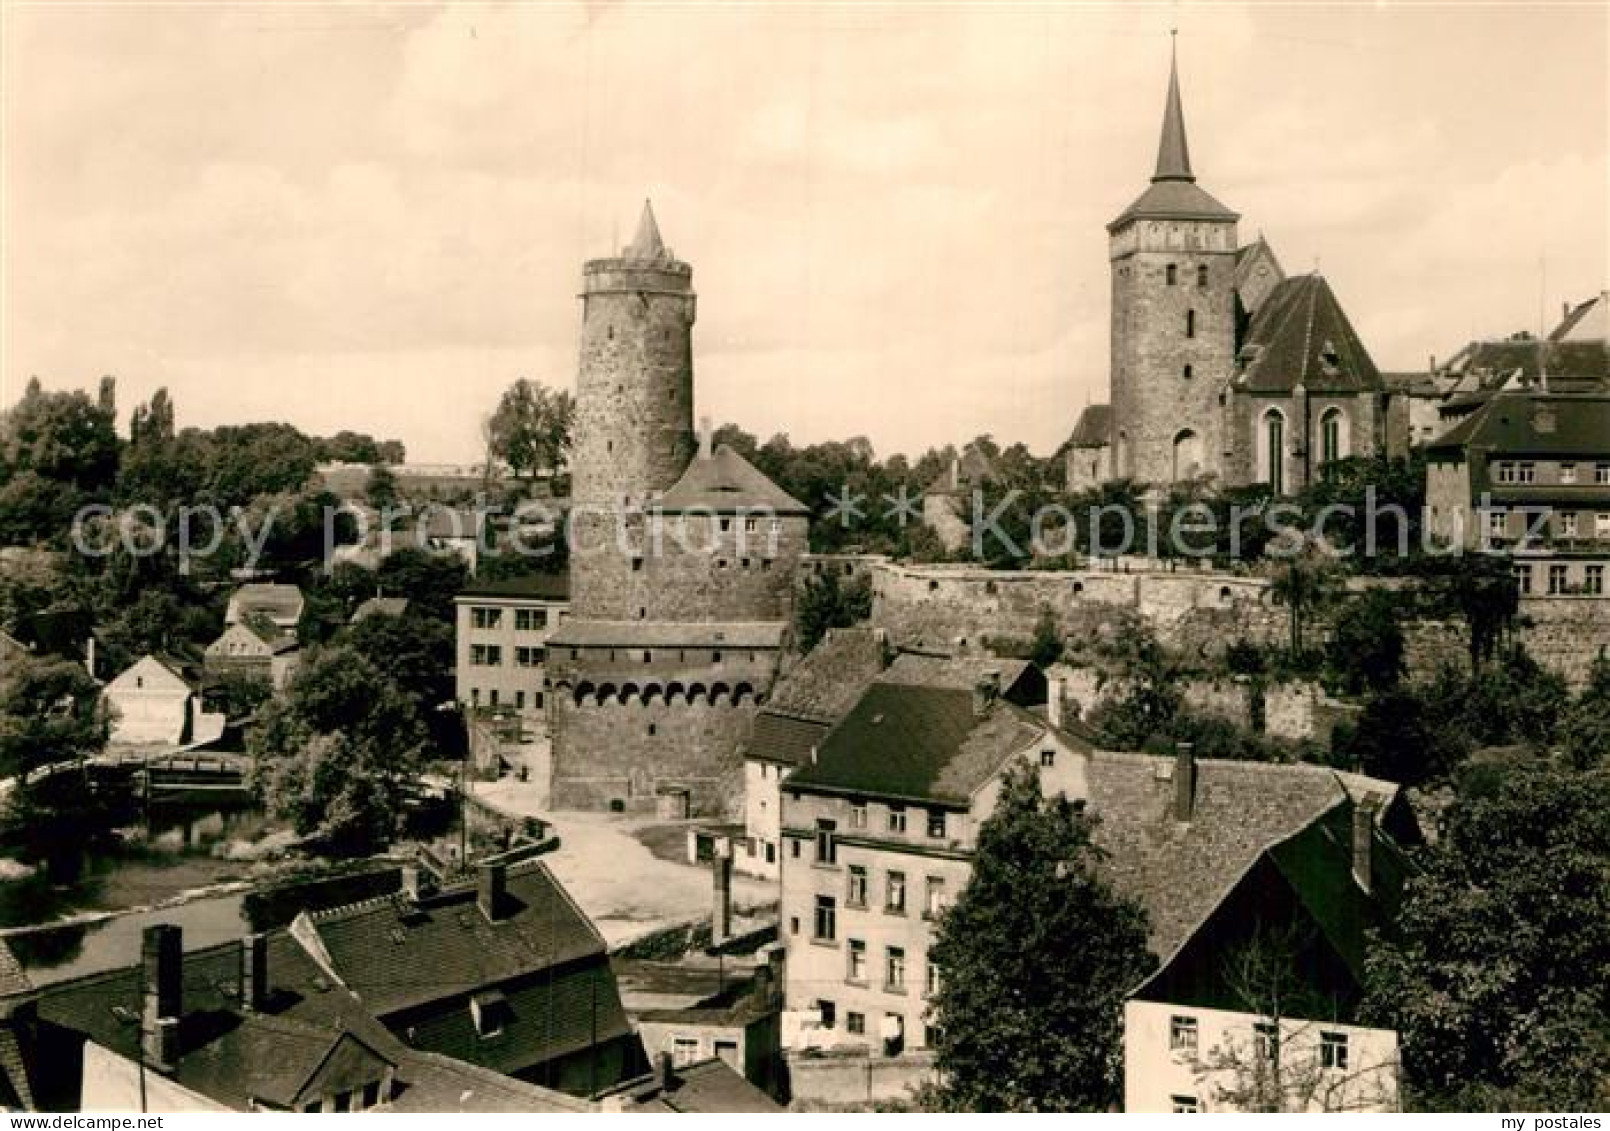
(634, 407)
(1172, 254)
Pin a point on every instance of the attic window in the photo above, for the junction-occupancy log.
(490, 1011)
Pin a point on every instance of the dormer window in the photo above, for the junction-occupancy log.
(489, 1009)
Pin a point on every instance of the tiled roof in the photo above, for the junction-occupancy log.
(1540, 424)
(707, 1088)
(827, 682)
(1018, 680)
(436, 1083)
(1173, 200)
(1587, 321)
(783, 739)
(396, 955)
(918, 743)
(1300, 335)
(271, 597)
(725, 481)
(667, 634)
(1490, 363)
(537, 586)
(1094, 429)
(1181, 871)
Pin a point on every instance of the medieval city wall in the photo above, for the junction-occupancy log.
(1566, 634)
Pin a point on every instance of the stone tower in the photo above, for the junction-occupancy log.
(1172, 254)
(634, 406)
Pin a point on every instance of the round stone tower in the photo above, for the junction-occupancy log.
(634, 408)
(1173, 319)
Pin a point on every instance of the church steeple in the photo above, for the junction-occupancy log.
(1173, 155)
(647, 243)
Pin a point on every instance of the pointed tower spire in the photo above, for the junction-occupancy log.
(1173, 155)
(647, 243)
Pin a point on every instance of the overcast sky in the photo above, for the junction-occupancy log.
(375, 217)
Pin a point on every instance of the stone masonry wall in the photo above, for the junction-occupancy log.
(1566, 634)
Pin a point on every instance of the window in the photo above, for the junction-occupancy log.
(1497, 523)
(1506, 473)
(933, 897)
(856, 895)
(486, 655)
(855, 966)
(936, 823)
(1568, 525)
(1048, 758)
(1201, 275)
(1265, 1040)
(1182, 1034)
(1601, 473)
(827, 919)
(829, 1012)
(1274, 451)
(1567, 473)
(826, 849)
(1557, 579)
(519, 700)
(793, 849)
(1601, 524)
(897, 818)
(526, 619)
(528, 657)
(855, 1023)
(684, 1051)
(1526, 473)
(371, 1094)
(895, 894)
(1184, 1105)
(930, 981)
(1333, 1050)
(1186, 373)
(1330, 436)
(858, 809)
(1190, 323)
(894, 968)
(485, 618)
(1523, 578)
(1593, 581)
(1170, 274)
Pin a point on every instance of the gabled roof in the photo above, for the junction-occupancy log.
(1182, 871)
(708, 1088)
(1300, 335)
(274, 641)
(1587, 321)
(271, 598)
(919, 743)
(814, 694)
(151, 666)
(1533, 424)
(724, 481)
(1017, 680)
(1094, 429)
(396, 955)
(1486, 365)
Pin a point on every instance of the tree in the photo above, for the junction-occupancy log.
(337, 754)
(1586, 730)
(1276, 1065)
(381, 488)
(1304, 585)
(1047, 645)
(50, 711)
(825, 602)
(531, 428)
(1495, 975)
(1366, 647)
(1037, 954)
(429, 581)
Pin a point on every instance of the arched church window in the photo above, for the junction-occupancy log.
(1332, 439)
(1273, 451)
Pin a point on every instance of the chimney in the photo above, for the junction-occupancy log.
(162, 994)
(1053, 702)
(1363, 841)
(492, 888)
(1431, 364)
(254, 972)
(985, 692)
(1184, 781)
(721, 896)
(662, 1071)
(706, 437)
(410, 882)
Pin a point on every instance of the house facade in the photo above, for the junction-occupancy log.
(255, 649)
(502, 631)
(152, 701)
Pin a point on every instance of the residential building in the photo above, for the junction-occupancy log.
(708, 1087)
(740, 1024)
(153, 701)
(505, 972)
(502, 636)
(1527, 474)
(878, 832)
(881, 828)
(278, 604)
(255, 648)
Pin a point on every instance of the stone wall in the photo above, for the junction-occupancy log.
(963, 607)
(625, 754)
(1566, 634)
(856, 1080)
